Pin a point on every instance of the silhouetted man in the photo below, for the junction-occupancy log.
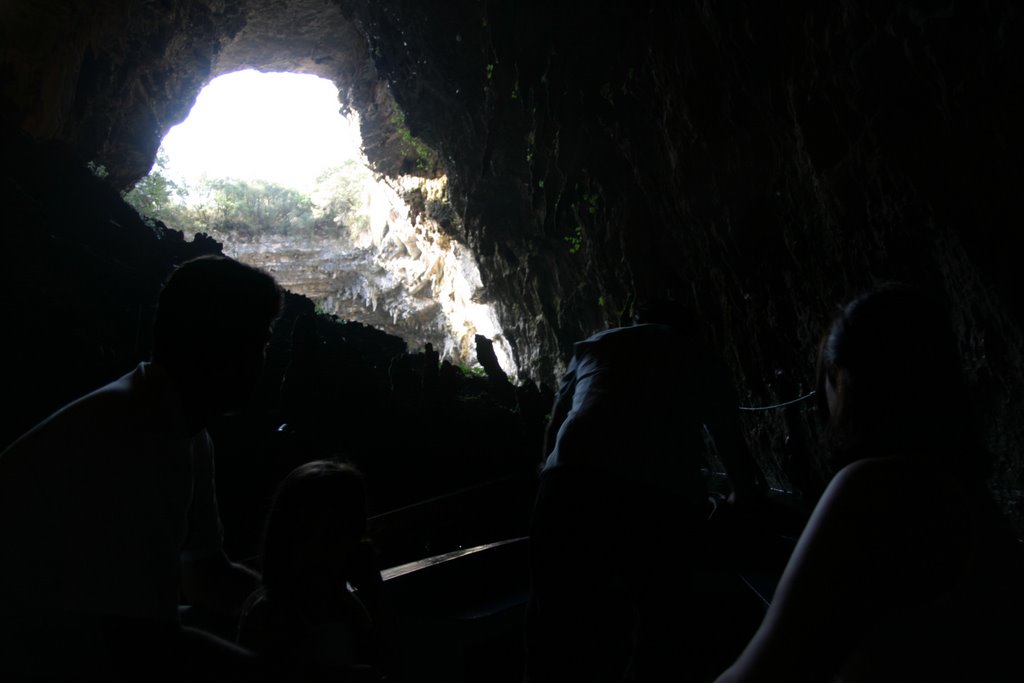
(622, 502)
(108, 508)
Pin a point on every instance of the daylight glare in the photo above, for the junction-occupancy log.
(282, 128)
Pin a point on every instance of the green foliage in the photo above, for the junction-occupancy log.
(98, 170)
(591, 202)
(411, 145)
(473, 372)
(257, 207)
(246, 209)
(575, 240)
(157, 196)
(341, 201)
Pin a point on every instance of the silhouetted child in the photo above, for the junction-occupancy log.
(306, 620)
(906, 571)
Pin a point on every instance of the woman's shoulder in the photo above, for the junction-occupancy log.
(929, 520)
(868, 482)
(894, 479)
(890, 502)
(873, 469)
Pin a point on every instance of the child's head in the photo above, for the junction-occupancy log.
(315, 524)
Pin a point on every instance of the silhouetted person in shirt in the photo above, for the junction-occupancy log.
(622, 501)
(108, 508)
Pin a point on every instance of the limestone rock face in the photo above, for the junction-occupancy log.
(110, 78)
(402, 274)
(761, 163)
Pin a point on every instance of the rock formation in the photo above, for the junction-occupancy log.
(403, 273)
(762, 162)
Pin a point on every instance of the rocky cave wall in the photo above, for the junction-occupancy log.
(761, 161)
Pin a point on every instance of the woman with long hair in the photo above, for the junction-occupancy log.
(906, 567)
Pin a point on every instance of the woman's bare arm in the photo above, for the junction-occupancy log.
(833, 586)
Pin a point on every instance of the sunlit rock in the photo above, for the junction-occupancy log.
(398, 272)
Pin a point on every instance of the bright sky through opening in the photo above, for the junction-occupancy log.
(282, 128)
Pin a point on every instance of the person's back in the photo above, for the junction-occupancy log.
(941, 565)
(99, 497)
(632, 411)
(622, 500)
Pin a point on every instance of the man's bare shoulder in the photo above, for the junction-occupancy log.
(101, 410)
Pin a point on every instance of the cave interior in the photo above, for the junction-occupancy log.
(760, 162)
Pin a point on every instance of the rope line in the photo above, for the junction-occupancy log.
(778, 405)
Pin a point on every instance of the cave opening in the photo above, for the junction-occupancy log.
(269, 166)
(762, 164)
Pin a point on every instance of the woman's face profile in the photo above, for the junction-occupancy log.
(831, 395)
